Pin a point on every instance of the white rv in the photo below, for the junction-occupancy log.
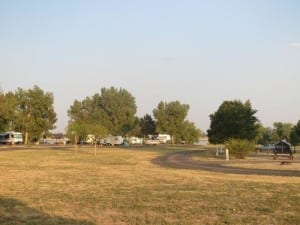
(11, 138)
(164, 138)
(112, 140)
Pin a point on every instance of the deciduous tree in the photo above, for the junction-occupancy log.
(170, 119)
(233, 119)
(8, 107)
(189, 133)
(36, 113)
(147, 125)
(113, 109)
(283, 130)
(295, 135)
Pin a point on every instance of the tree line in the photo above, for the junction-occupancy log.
(113, 111)
(28, 111)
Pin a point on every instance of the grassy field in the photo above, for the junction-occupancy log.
(121, 186)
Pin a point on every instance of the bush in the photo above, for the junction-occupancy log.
(239, 148)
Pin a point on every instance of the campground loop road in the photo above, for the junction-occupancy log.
(183, 160)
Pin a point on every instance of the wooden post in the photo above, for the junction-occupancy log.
(26, 138)
(227, 154)
(76, 145)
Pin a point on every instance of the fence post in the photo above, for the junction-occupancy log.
(227, 154)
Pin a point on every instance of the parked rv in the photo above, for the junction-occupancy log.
(112, 140)
(11, 138)
(164, 138)
(266, 148)
(135, 140)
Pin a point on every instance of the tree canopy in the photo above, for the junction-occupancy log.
(112, 109)
(171, 119)
(147, 125)
(189, 133)
(279, 131)
(8, 111)
(233, 119)
(295, 134)
(29, 111)
(36, 112)
(283, 130)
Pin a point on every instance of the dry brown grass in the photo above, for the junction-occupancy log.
(121, 186)
(275, 165)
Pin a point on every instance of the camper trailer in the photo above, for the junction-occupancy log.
(11, 138)
(112, 140)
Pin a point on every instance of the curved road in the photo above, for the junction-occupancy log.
(184, 160)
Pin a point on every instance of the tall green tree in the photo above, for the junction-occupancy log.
(295, 135)
(266, 135)
(112, 109)
(233, 119)
(170, 119)
(283, 130)
(8, 108)
(136, 129)
(147, 125)
(36, 115)
(119, 109)
(189, 133)
(260, 133)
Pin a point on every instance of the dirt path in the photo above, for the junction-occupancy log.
(184, 160)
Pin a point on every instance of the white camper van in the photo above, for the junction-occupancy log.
(11, 138)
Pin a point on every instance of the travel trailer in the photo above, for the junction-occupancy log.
(11, 138)
(112, 140)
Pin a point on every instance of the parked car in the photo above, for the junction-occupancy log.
(152, 142)
(266, 148)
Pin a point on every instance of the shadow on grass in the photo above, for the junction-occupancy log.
(14, 212)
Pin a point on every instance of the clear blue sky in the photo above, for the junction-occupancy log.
(198, 52)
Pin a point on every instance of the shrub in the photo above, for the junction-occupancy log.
(239, 148)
